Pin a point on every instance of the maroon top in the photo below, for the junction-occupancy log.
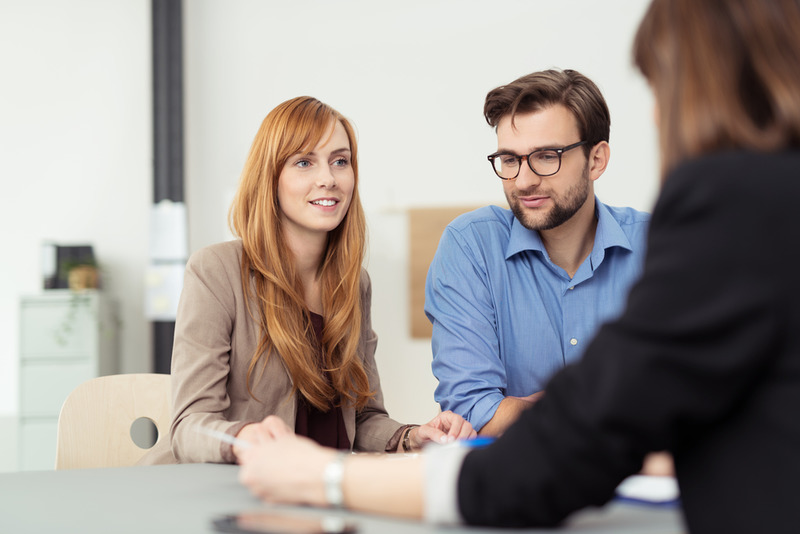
(326, 428)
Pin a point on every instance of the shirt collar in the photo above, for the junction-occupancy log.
(608, 234)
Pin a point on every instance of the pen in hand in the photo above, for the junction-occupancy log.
(222, 436)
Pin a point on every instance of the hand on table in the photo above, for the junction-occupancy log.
(270, 428)
(444, 428)
(286, 469)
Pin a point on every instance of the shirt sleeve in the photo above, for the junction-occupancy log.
(466, 361)
(442, 464)
(701, 327)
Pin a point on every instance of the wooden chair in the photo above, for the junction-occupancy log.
(94, 426)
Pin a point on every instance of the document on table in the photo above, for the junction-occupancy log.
(662, 490)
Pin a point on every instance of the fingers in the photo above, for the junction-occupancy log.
(248, 434)
(444, 428)
(250, 475)
(258, 433)
(425, 433)
(275, 427)
(287, 469)
(258, 469)
(269, 429)
(456, 426)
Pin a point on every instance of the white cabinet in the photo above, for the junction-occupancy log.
(66, 338)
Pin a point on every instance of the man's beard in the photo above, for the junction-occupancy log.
(563, 208)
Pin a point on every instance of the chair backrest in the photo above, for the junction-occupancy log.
(94, 426)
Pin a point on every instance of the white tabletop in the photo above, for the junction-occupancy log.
(185, 498)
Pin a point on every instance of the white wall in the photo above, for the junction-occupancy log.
(75, 157)
(75, 129)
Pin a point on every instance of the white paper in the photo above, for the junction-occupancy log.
(163, 286)
(652, 489)
(168, 235)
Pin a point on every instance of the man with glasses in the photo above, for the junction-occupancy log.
(515, 295)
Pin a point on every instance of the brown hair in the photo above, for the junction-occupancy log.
(293, 127)
(725, 74)
(539, 90)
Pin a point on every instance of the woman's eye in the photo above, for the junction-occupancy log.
(302, 163)
(341, 162)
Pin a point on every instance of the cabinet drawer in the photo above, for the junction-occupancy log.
(45, 386)
(37, 444)
(65, 328)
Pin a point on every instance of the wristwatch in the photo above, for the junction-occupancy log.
(407, 439)
(332, 478)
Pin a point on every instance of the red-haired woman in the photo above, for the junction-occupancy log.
(273, 333)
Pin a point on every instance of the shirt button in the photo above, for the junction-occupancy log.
(571, 288)
(573, 341)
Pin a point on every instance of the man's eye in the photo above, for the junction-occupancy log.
(548, 156)
(508, 159)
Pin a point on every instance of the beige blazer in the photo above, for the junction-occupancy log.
(215, 338)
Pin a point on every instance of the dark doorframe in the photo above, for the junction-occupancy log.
(167, 135)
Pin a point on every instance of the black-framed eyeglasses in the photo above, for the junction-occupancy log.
(544, 162)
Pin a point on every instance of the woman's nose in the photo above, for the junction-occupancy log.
(325, 178)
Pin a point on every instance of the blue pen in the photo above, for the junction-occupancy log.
(480, 441)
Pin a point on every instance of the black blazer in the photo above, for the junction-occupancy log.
(704, 363)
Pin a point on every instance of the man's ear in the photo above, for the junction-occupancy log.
(598, 159)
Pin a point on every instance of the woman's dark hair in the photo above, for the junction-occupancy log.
(725, 74)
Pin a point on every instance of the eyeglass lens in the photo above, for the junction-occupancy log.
(543, 162)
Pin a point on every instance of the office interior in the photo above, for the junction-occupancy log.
(76, 135)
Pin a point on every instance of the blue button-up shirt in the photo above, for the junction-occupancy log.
(505, 317)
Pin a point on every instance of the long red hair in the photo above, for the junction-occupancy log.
(296, 126)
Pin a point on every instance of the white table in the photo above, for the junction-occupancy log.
(185, 498)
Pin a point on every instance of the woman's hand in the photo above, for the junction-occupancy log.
(270, 428)
(444, 428)
(286, 469)
(290, 470)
